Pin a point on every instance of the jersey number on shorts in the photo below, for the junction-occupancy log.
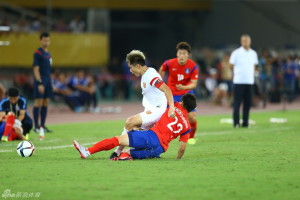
(180, 77)
(179, 126)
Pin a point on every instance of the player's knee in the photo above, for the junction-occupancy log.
(130, 123)
(192, 119)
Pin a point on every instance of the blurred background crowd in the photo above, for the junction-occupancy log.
(211, 27)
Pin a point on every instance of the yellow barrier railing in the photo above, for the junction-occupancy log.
(67, 50)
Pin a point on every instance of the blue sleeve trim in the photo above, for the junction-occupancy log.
(188, 131)
(167, 64)
(195, 67)
(25, 103)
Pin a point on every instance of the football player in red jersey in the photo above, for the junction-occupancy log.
(153, 142)
(182, 79)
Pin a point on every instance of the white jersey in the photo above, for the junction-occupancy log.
(152, 96)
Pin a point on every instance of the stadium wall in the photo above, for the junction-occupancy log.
(68, 50)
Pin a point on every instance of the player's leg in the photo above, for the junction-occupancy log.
(193, 121)
(36, 113)
(10, 120)
(146, 145)
(133, 122)
(247, 104)
(237, 99)
(44, 111)
(144, 120)
(103, 145)
(27, 125)
(17, 133)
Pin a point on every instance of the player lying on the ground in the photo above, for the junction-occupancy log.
(156, 95)
(153, 142)
(10, 128)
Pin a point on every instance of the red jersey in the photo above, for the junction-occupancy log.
(167, 128)
(180, 74)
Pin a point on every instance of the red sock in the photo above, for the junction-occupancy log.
(10, 120)
(104, 145)
(193, 129)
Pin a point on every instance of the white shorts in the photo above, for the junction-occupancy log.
(151, 115)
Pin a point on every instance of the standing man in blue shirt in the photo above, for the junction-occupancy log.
(43, 91)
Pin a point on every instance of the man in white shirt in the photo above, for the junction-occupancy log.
(243, 61)
(156, 96)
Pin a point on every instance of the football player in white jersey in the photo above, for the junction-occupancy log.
(156, 96)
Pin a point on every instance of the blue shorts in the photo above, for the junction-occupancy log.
(2, 127)
(48, 90)
(178, 97)
(145, 144)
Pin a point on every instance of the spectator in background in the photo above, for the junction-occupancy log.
(61, 90)
(86, 86)
(36, 25)
(105, 83)
(207, 62)
(77, 25)
(290, 69)
(226, 73)
(265, 72)
(61, 26)
(243, 61)
(2, 92)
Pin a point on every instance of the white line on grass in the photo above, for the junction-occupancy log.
(54, 147)
(201, 134)
(243, 131)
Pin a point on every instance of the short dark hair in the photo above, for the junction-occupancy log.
(184, 46)
(44, 34)
(13, 92)
(136, 57)
(189, 102)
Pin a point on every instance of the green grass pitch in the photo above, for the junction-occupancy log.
(262, 162)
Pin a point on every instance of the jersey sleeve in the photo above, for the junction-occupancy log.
(2, 106)
(22, 103)
(185, 136)
(36, 58)
(156, 82)
(195, 72)
(165, 66)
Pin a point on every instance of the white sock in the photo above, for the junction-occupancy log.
(119, 149)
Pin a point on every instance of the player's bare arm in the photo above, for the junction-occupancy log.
(165, 89)
(2, 116)
(22, 115)
(190, 86)
(181, 149)
(37, 76)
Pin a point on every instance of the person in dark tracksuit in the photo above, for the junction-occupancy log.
(243, 61)
(43, 91)
(16, 104)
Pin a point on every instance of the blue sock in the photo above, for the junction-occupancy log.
(44, 110)
(36, 111)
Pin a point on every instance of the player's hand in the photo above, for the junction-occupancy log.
(180, 87)
(41, 89)
(171, 112)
